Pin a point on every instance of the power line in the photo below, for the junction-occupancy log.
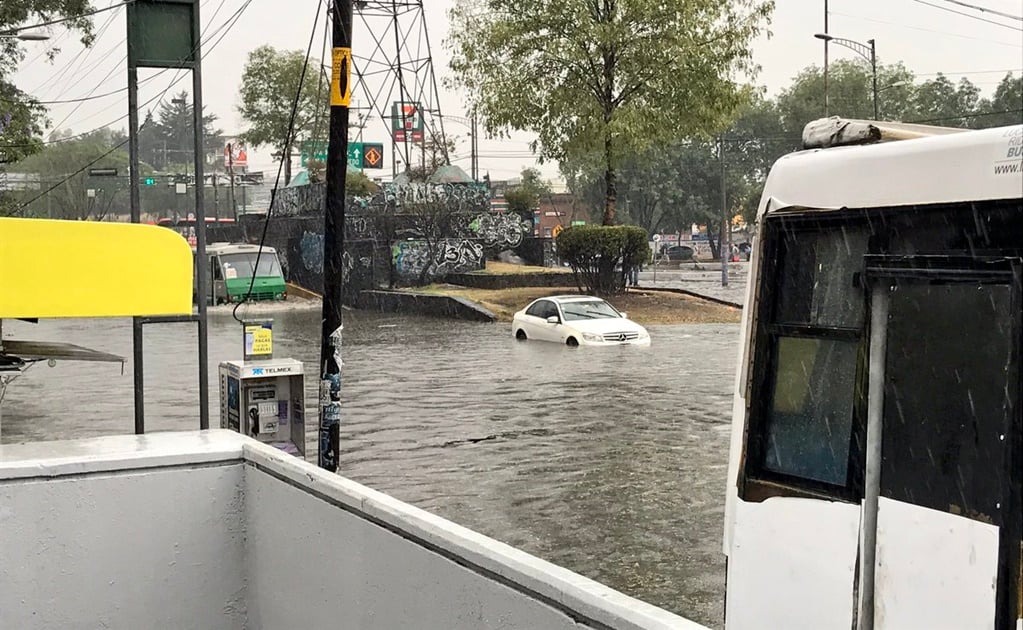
(985, 10)
(972, 17)
(962, 72)
(925, 30)
(62, 20)
(968, 116)
(288, 139)
(228, 24)
(232, 20)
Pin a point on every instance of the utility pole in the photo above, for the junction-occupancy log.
(333, 237)
(230, 174)
(826, 108)
(725, 231)
(873, 72)
(474, 150)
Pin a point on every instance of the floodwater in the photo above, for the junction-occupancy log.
(608, 461)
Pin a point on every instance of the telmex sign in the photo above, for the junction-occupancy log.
(271, 371)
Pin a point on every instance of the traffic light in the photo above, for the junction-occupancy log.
(150, 181)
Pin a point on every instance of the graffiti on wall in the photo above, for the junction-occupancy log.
(311, 199)
(311, 250)
(450, 256)
(505, 230)
(456, 197)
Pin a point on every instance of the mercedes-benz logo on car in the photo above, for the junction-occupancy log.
(622, 337)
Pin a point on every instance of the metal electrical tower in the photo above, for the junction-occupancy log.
(394, 73)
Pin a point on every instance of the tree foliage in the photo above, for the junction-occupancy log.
(434, 152)
(166, 140)
(526, 196)
(22, 117)
(677, 183)
(601, 256)
(603, 77)
(270, 81)
(58, 163)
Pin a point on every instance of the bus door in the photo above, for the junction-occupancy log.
(940, 542)
(217, 287)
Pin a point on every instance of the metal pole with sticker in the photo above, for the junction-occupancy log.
(333, 239)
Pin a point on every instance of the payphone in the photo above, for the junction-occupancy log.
(265, 400)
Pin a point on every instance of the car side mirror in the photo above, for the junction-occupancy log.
(624, 315)
(553, 319)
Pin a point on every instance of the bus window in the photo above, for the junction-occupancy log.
(803, 427)
(243, 264)
(809, 420)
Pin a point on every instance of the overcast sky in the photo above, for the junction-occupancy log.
(928, 39)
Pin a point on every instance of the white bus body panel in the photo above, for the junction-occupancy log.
(773, 544)
(926, 577)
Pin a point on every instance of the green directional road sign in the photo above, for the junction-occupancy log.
(355, 152)
(317, 150)
(313, 149)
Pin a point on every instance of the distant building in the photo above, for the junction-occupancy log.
(558, 209)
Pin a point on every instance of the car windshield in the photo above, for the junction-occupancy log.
(588, 309)
(240, 265)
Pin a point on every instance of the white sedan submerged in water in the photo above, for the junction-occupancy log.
(577, 320)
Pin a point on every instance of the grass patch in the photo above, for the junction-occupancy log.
(644, 306)
(497, 268)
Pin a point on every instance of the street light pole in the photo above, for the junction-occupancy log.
(873, 71)
(826, 108)
(867, 51)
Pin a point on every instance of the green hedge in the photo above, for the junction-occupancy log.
(602, 256)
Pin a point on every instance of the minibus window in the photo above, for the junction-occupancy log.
(805, 401)
(809, 418)
(816, 278)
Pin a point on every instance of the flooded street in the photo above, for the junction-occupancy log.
(610, 462)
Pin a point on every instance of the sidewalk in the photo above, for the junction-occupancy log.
(700, 278)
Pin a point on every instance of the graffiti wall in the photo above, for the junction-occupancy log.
(386, 244)
(412, 258)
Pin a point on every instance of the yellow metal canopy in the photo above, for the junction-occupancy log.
(91, 269)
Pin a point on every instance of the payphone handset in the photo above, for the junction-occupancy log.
(263, 410)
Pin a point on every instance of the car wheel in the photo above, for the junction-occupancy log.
(520, 335)
(572, 342)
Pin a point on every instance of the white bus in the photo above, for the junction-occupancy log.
(876, 461)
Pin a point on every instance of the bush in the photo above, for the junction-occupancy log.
(602, 256)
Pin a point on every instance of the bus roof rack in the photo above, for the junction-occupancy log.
(837, 131)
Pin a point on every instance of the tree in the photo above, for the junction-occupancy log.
(270, 82)
(435, 152)
(1005, 107)
(526, 196)
(23, 117)
(604, 77)
(942, 102)
(61, 164)
(850, 94)
(168, 138)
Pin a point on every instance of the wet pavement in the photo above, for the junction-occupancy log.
(702, 278)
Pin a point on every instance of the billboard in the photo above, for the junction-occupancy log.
(407, 121)
(236, 155)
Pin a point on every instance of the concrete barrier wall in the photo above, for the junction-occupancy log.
(423, 304)
(215, 530)
(129, 549)
(316, 566)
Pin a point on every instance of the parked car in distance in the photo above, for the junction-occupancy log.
(577, 320)
(679, 252)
